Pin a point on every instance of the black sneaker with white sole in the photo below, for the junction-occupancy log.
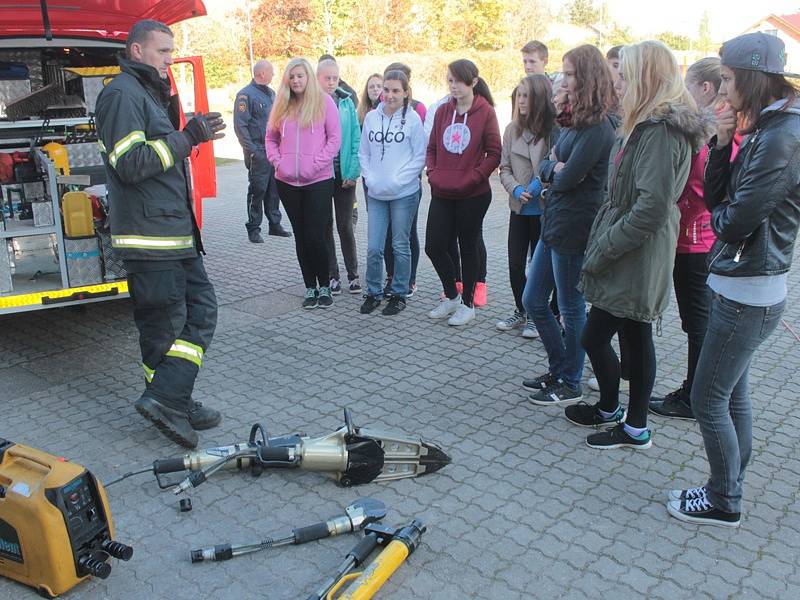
(675, 405)
(395, 305)
(588, 415)
(690, 494)
(370, 304)
(311, 299)
(617, 437)
(702, 512)
(559, 393)
(539, 383)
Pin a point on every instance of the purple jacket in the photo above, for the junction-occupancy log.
(304, 155)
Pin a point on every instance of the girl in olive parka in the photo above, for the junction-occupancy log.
(627, 269)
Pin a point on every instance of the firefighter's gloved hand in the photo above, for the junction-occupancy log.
(202, 128)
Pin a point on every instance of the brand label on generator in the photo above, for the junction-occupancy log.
(9, 542)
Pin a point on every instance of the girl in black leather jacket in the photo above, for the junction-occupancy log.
(755, 212)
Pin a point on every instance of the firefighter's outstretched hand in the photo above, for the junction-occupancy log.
(202, 128)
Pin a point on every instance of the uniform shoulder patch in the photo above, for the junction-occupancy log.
(242, 106)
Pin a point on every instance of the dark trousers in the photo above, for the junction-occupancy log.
(175, 310)
(262, 192)
(600, 328)
(455, 256)
(309, 210)
(523, 235)
(449, 218)
(694, 302)
(343, 201)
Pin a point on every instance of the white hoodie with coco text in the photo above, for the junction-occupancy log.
(392, 153)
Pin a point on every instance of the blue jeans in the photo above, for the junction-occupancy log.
(400, 214)
(549, 269)
(720, 399)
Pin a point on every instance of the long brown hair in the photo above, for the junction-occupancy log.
(756, 90)
(594, 95)
(541, 113)
(364, 103)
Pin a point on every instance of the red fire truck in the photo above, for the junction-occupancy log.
(55, 58)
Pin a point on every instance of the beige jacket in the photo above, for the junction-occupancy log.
(519, 158)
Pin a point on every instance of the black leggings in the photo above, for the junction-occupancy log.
(449, 218)
(309, 210)
(455, 256)
(523, 235)
(596, 340)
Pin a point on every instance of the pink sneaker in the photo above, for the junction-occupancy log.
(479, 298)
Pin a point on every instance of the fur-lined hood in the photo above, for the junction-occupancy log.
(698, 125)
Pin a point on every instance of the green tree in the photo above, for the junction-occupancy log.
(582, 13)
(485, 24)
(704, 34)
(675, 41)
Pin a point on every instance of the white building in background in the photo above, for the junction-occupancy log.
(787, 28)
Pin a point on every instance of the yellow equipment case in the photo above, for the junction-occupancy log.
(55, 523)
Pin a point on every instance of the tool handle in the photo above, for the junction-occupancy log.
(274, 453)
(311, 533)
(363, 549)
(376, 574)
(168, 465)
(344, 579)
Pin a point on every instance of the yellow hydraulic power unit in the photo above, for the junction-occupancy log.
(55, 523)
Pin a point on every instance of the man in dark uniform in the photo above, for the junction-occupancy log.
(250, 116)
(154, 230)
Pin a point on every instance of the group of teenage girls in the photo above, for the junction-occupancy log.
(622, 179)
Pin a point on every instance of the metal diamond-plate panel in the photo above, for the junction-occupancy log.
(86, 154)
(83, 261)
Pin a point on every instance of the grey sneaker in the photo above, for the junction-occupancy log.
(354, 287)
(336, 287)
(515, 321)
(529, 331)
(559, 393)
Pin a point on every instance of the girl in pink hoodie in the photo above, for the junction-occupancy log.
(303, 137)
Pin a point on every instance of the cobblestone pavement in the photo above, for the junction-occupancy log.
(526, 510)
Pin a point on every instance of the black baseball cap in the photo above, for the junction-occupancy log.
(756, 52)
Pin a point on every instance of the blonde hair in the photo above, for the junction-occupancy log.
(654, 83)
(310, 109)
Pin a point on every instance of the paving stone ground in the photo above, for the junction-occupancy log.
(526, 510)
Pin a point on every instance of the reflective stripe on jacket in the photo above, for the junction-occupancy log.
(150, 200)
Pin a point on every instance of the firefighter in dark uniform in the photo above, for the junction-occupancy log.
(154, 230)
(250, 116)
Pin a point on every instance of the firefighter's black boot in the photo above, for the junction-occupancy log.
(202, 417)
(171, 422)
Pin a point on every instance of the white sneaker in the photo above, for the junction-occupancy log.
(530, 331)
(624, 384)
(446, 308)
(513, 322)
(463, 315)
